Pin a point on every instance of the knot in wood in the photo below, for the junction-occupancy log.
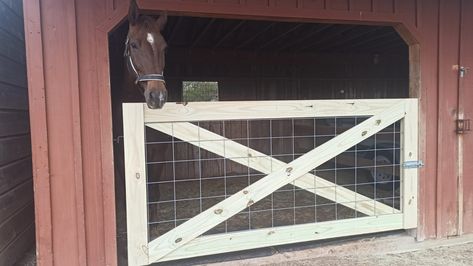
(178, 240)
(137, 175)
(378, 122)
(364, 133)
(251, 202)
(288, 171)
(218, 211)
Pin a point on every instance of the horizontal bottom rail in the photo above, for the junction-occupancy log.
(230, 242)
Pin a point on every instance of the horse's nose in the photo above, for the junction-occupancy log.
(157, 99)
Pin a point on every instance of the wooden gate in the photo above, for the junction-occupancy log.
(208, 178)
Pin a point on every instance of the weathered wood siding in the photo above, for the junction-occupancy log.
(16, 186)
(246, 76)
(71, 117)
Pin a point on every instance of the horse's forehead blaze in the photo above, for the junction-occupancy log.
(150, 38)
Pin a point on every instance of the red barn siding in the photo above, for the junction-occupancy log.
(71, 118)
(466, 108)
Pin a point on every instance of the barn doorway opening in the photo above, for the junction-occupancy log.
(269, 60)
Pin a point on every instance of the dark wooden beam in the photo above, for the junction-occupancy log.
(356, 35)
(249, 40)
(315, 30)
(396, 46)
(365, 40)
(174, 30)
(279, 37)
(387, 37)
(383, 44)
(326, 38)
(229, 33)
(202, 33)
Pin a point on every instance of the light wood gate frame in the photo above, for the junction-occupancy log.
(186, 241)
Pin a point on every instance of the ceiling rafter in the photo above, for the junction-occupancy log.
(202, 33)
(280, 36)
(174, 30)
(315, 30)
(330, 36)
(228, 34)
(373, 39)
(261, 32)
(356, 36)
(382, 44)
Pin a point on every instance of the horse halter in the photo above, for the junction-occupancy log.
(141, 78)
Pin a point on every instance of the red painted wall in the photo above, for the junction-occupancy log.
(71, 119)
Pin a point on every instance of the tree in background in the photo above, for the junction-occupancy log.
(200, 91)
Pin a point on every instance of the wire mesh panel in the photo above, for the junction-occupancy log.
(212, 185)
(185, 179)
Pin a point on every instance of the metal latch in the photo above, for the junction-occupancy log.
(463, 71)
(413, 164)
(463, 125)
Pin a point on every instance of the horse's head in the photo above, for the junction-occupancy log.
(144, 53)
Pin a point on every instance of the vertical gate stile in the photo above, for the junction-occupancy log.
(135, 179)
(409, 152)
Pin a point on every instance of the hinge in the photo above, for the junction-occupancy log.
(413, 164)
(463, 125)
(117, 139)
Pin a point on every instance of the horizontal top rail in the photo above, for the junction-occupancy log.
(250, 110)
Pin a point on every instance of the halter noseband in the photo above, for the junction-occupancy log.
(145, 77)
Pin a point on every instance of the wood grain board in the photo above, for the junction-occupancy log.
(199, 224)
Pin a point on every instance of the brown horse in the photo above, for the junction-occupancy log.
(144, 52)
(140, 74)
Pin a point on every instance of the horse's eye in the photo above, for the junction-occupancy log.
(134, 45)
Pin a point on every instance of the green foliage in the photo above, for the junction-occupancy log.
(199, 91)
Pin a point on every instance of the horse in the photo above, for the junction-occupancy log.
(137, 65)
(144, 51)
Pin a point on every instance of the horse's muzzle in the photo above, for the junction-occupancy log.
(157, 99)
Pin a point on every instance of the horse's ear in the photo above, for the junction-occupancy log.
(133, 13)
(161, 21)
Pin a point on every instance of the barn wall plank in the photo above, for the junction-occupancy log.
(14, 148)
(16, 188)
(15, 251)
(13, 97)
(16, 6)
(428, 123)
(16, 224)
(12, 48)
(39, 136)
(15, 173)
(12, 72)
(447, 191)
(15, 199)
(13, 123)
(466, 108)
(10, 21)
(321, 77)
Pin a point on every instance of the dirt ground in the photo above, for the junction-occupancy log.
(437, 253)
(457, 255)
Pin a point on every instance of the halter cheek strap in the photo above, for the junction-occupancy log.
(141, 78)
